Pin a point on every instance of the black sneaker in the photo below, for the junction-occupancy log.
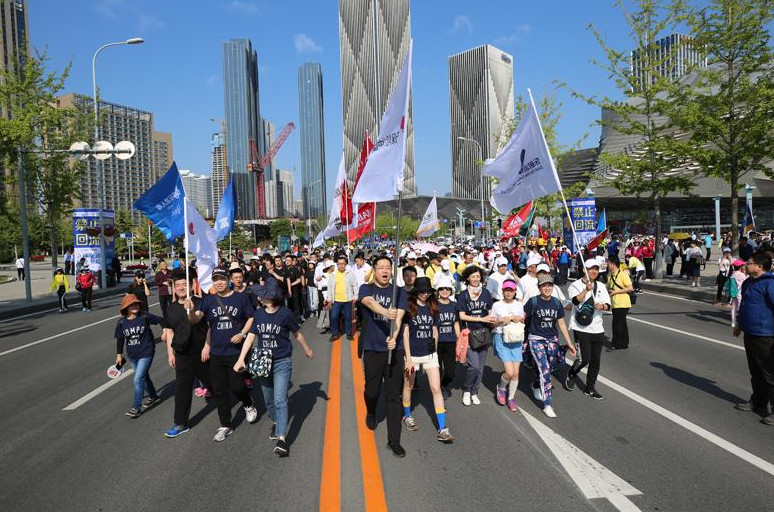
(750, 407)
(281, 448)
(593, 394)
(371, 422)
(273, 434)
(569, 381)
(397, 450)
(133, 413)
(333, 338)
(150, 402)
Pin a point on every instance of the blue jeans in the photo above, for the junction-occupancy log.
(336, 310)
(275, 393)
(142, 381)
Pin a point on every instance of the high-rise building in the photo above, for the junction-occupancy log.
(299, 210)
(374, 37)
(271, 199)
(198, 188)
(480, 106)
(242, 112)
(219, 172)
(286, 206)
(675, 56)
(163, 155)
(124, 180)
(310, 114)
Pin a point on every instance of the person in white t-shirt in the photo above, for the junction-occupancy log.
(589, 338)
(494, 282)
(528, 286)
(360, 269)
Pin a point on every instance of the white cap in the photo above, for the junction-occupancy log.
(534, 260)
(328, 264)
(543, 268)
(500, 261)
(445, 264)
(443, 281)
(591, 262)
(411, 256)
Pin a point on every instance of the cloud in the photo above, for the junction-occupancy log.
(148, 23)
(461, 22)
(304, 44)
(517, 36)
(212, 79)
(110, 8)
(242, 7)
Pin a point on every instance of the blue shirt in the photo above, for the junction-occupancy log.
(377, 327)
(756, 312)
(272, 331)
(447, 315)
(137, 336)
(420, 327)
(478, 307)
(226, 316)
(543, 315)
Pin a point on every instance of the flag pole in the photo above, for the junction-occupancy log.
(185, 249)
(561, 190)
(394, 328)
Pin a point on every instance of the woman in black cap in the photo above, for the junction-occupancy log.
(420, 344)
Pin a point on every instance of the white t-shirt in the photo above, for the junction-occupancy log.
(500, 310)
(527, 288)
(20, 263)
(601, 296)
(360, 273)
(497, 277)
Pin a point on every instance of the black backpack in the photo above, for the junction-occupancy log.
(585, 313)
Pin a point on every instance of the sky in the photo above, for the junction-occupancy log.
(177, 73)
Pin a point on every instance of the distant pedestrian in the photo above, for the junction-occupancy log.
(84, 283)
(724, 272)
(619, 286)
(163, 282)
(139, 288)
(60, 285)
(133, 331)
(69, 262)
(20, 268)
(756, 320)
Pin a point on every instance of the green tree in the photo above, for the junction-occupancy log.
(280, 227)
(43, 133)
(728, 111)
(648, 169)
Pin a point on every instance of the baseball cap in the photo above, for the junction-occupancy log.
(591, 262)
(545, 279)
(139, 273)
(500, 261)
(219, 273)
(543, 268)
(445, 264)
(533, 260)
(411, 256)
(442, 281)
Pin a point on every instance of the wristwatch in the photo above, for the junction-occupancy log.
(244, 335)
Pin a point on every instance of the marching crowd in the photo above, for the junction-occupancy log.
(442, 308)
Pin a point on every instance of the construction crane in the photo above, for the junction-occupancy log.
(258, 163)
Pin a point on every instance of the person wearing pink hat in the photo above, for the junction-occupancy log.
(508, 313)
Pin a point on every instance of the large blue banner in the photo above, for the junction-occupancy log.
(86, 236)
(583, 214)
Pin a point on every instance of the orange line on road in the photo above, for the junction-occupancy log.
(330, 482)
(373, 486)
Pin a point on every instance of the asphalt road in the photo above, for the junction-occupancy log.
(665, 438)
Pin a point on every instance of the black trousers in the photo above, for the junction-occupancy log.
(224, 378)
(377, 371)
(188, 367)
(60, 292)
(446, 356)
(590, 355)
(620, 328)
(86, 294)
(164, 302)
(648, 262)
(20, 273)
(721, 282)
(760, 361)
(670, 267)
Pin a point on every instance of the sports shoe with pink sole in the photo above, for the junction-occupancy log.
(512, 405)
(502, 395)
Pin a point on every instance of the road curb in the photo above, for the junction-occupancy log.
(699, 294)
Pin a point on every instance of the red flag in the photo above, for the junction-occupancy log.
(594, 242)
(366, 213)
(345, 214)
(513, 223)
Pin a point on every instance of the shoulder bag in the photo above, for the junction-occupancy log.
(585, 313)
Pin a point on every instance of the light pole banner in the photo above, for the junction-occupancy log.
(86, 235)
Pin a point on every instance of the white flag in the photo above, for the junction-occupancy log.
(202, 241)
(524, 166)
(430, 222)
(335, 227)
(382, 177)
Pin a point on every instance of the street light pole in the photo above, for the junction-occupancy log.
(480, 157)
(100, 166)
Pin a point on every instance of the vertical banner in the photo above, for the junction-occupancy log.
(86, 236)
(584, 218)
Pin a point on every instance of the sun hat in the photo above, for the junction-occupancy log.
(443, 281)
(234, 267)
(445, 264)
(422, 284)
(738, 263)
(127, 301)
(509, 284)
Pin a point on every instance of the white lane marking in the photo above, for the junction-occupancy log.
(99, 390)
(686, 333)
(669, 296)
(705, 434)
(44, 340)
(593, 479)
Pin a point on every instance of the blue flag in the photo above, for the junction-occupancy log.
(602, 224)
(163, 204)
(224, 222)
(748, 224)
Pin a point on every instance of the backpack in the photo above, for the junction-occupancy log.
(585, 313)
(564, 259)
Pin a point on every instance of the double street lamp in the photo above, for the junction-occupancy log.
(480, 157)
(100, 166)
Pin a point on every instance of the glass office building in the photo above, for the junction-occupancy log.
(310, 113)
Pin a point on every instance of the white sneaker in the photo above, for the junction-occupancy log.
(549, 411)
(537, 393)
(222, 434)
(251, 414)
(475, 400)
(466, 398)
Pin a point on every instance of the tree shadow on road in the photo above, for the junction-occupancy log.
(300, 406)
(701, 383)
(14, 330)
